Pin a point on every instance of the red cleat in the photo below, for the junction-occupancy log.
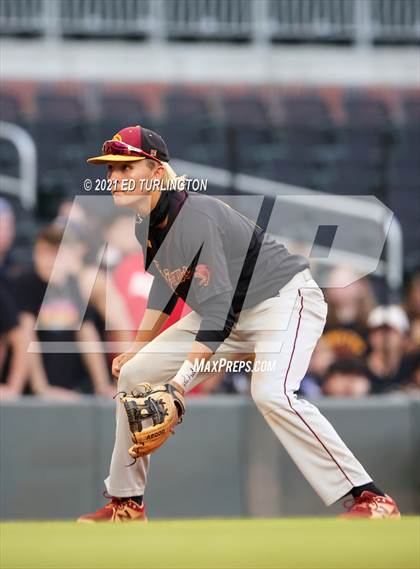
(369, 505)
(117, 510)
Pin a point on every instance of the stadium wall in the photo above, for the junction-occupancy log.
(224, 460)
(209, 63)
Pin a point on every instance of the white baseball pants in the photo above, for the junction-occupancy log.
(283, 329)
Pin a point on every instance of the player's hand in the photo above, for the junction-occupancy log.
(119, 361)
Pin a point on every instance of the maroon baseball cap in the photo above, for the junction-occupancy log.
(131, 144)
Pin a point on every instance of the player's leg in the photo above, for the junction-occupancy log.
(321, 455)
(156, 363)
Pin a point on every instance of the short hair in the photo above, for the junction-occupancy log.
(51, 234)
(347, 366)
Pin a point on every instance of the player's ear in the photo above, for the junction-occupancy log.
(159, 171)
(155, 167)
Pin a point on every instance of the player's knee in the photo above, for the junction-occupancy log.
(135, 371)
(130, 376)
(260, 394)
(267, 399)
(126, 378)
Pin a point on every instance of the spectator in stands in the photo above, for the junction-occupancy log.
(322, 357)
(72, 210)
(389, 367)
(90, 267)
(347, 377)
(12, 344)
(111, 275)
(348, 309)
(13, 370)
(413, 386)
(55, 317)
(7, 235)
(412, 308)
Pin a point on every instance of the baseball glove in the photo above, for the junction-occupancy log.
(152, 415)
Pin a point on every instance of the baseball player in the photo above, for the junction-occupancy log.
(249, 295)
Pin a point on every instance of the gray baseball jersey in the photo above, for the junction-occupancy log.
(214, 258)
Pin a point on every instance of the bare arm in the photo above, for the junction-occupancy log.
(101, 292)
(18, 371)
(37, 377)
(95, 361)
(149, 328)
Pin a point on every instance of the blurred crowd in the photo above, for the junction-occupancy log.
(64, 316)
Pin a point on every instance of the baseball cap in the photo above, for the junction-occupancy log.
(392, 316)
(131, 144)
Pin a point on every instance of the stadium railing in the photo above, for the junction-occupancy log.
(24, 185)
(361, 22)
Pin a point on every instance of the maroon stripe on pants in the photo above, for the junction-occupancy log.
(290, 403)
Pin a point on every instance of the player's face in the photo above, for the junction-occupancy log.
(132, 184)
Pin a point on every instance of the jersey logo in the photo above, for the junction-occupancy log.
(202, 274)
(176, 277)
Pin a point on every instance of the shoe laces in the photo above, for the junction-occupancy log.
(361, 503)
(114, 501)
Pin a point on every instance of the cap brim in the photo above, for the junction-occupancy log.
(104, 158)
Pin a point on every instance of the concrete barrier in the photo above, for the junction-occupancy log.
(224, 460)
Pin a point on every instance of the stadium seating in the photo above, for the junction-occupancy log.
(10, 108)
(307, 110)
(345, 142)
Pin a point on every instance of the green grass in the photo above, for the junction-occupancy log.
(208, 544)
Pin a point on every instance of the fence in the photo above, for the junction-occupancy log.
(23, 186)
(358, 21)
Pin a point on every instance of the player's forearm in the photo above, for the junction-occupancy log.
(37, 377)
(98, 372)
(94, 361)
(150, 326)
(18, 362)
(199, 352)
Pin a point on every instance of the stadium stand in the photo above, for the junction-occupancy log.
(322, 21)
(368, 143)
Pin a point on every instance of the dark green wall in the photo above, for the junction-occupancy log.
(223, 461)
